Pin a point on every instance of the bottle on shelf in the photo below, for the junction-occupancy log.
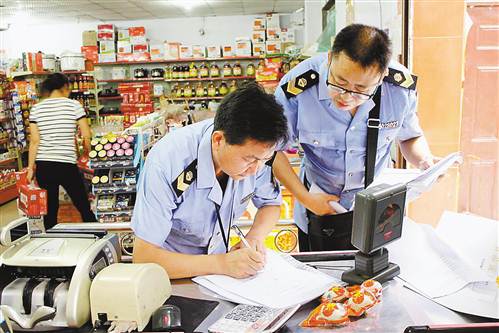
(75, 84)
(187, 90)
(233, 86)
(186, 72)
(250, 70)
(224, 90)
(214, 70)
(237, 69)
(199, 90)
(193, 71)
(174, 72)
(227, 71)
(203, 70)
(168, 72)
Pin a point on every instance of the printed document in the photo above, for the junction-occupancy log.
(285, 282)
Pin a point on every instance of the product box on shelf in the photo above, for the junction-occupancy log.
(270, 71)
(228, 51)
(243, 48)
(138, 48)
(108, 57)
(123, 35)
(125, 57)
(172, 50)
(213, 51)
(259, 23)
(137, 35)
(138, 40)
(272, 21)
(185, 51)
(90, 53)
(258, 49)
(118, 73)
(105, 35)
(32, 200)
(287, 35)
(89, 38)
(273, 33)
(198, 51)
(272, 47)
(141, 56)
(124, 46)
(106, 27)
(107, 46)
(258, 36)
(144, 108)
(157, 52)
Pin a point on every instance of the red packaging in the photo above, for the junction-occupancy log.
(137, 31)
(105, 27)
(105, 35)
(140, 48)
(32, 200)
(21, 178)
(90, 53)
(39, 62)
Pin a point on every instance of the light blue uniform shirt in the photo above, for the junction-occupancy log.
(188, 223)
(334, 142)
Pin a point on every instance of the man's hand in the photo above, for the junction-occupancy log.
(428, 162)
(318, 203)
(30, 175)
(243, 263)
(256, 244)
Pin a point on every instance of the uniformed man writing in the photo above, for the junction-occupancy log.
(329, 101)
(199, 179)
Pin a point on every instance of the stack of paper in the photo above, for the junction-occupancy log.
(285, 282)
(455, 264)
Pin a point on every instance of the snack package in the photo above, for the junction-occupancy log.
(352, 289)
(326, 315)
(360, 302)
(335, 294)
(373, 286)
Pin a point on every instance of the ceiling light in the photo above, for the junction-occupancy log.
(185, 4)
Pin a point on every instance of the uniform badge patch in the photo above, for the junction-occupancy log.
(185, 179)
(389, 124)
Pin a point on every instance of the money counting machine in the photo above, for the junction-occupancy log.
(45, 278)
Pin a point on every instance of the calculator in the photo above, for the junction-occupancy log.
(250, 318)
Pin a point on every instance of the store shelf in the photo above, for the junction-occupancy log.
(26, 73)
(212, 78)
(195, 98)
(75, 72)
(111, 164)
(127, 211)
(110, 98)
(7, 194)
(173, 61)
(114, 189)
(147, 79)
(9, 160)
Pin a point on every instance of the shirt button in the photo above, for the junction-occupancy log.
(316, 142)
(350, 174)
(350, 151)
(388, 139)
(352, 128)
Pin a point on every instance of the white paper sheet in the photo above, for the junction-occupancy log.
(430, 264)
(281, 285)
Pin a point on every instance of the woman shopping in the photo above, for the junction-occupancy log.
(52, 149)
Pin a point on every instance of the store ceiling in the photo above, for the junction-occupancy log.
(109, 10)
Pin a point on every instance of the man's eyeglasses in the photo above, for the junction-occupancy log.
(355, 94)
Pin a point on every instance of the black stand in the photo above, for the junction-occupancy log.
(371, 266)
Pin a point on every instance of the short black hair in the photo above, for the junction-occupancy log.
(251, 113)
(54, 82)
(364, 44)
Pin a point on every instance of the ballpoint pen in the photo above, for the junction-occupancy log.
(241, 236)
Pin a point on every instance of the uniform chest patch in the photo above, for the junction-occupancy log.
(389, 124)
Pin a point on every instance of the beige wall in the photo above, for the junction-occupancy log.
(438, 58)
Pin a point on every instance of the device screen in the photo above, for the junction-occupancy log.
(18, 232)
(389, 219)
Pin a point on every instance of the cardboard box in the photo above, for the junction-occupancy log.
(21, 178)
(32, 200)
(213, 51)
(89, 38)
(273, 33)
(287, 35)
(123, 35)
(139, 48)
(243, 48)
(258, 49)
(258, 36)
(107, 46)
(270, 71)
(126, 57)
(141, 56)
(90, 53)
(157, 51)
(185, 51)
(228, 51)
(105, 36)
(124, 47)
(172, 50)
(106, 27)
(273, 47)
(138, 39)
(272, 21)
(107, 57)
(137, 31)
(198, 51)
(259, 23)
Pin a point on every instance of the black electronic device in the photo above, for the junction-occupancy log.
(167, 318)
(377, 220)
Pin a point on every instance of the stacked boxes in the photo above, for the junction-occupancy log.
(273, 42)
(106, 36)
(139, 43)
(136, 101)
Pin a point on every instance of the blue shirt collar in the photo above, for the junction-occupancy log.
(323, 92)
(206, 177)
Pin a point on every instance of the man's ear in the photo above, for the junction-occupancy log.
(217, 138)
(329, 57)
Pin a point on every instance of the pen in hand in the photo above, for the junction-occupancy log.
(243, 239)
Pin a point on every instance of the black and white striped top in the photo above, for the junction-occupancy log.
(56, 119)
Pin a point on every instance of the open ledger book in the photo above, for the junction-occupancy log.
(284, 282)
